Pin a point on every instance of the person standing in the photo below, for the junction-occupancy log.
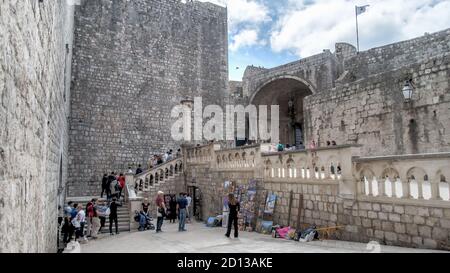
(67, 228)
(161, 211)
(188, 208)
(181, 205)
(95, 220)
(234, 208)
(121, 181)
(90, 214)
(113, 215)
(79, 222)
(104, 185)
(139, 169)
(173, 208)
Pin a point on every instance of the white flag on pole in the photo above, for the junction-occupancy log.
(361, 9)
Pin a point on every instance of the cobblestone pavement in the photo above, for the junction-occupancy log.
(202, 239)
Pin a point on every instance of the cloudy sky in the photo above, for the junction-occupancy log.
(272, 32)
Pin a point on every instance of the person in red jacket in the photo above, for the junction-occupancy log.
(121, 181)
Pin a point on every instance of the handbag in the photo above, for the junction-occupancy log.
(161, 212)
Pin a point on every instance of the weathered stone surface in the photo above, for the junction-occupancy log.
(133, 62)
(419, 220)
(400, 228)
(387, 226)
(399, 209)
(386, 208)
(440, 234)
(429, 243)
(394, 217)
(372, 215)
(35, 58)
(390, 236)
(425, 231)
(411, 229)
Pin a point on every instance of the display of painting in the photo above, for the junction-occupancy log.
(256, 204)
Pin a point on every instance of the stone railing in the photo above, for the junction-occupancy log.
(405, 178)
(158, 174)
(332, 165)
(201, 154)
(241, 158)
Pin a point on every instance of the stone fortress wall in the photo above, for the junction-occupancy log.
(35, 56)
(357, 98)
(134, 61)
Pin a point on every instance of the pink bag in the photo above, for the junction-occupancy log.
(282, 232)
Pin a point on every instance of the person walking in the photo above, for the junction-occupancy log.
(161, 211)
(113, 215)
(181, 206)
(234, 208)
(111, 178)
(102, 211)
(114, 188)
(104, 185)
(79, 222)
(121, 181)
(139, 169)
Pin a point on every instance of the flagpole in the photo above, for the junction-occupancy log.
(357, 32)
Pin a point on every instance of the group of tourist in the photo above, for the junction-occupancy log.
(113, 186)
(312, 145)
(94, 219)
(156, 160)
(178, 209)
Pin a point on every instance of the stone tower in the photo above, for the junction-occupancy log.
(133, 61)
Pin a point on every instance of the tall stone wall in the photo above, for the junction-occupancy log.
(373, 112)
(35, 46)
(133, 61)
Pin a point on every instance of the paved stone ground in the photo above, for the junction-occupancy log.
(201, 239)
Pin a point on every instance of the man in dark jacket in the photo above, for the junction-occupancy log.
(104, 183)
(113, 215)
(111, 178)
(139, 169)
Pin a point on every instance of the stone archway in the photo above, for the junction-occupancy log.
(287, 92)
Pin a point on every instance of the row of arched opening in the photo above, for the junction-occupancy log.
(417, 184)
(236, 160)
(293, 170)
(158, 175)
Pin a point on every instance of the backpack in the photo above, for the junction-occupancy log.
(280, 147)
(117, 186)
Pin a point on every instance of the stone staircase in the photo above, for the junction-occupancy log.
(123, 214)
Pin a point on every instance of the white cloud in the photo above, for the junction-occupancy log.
(245, 38)
(308, 27)
(243, 13)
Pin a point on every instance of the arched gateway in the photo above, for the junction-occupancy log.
(288, 92)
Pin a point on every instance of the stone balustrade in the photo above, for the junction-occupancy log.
(241, 158)
(201, 154)
(409, 178)
(145, 181)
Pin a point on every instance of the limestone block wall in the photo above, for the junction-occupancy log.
(134, 61)
(398, 55)
(373, 111)
(35, 46)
